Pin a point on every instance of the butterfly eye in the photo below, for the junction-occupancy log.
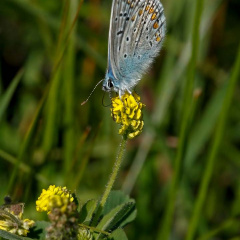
(110, 84)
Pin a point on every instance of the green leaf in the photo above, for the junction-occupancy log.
(11, 236)
(39, 230)
(132, 215)
(7, 96)
(118, 234)
(115, 217)
(115, 198)
(87, 210)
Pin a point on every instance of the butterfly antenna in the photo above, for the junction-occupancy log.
(91, 92)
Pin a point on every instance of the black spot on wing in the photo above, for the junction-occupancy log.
(119, 32)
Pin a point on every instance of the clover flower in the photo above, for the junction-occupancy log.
(62, 213)
(127, 111)
(53, 197)
(63, 218)
(11, 219)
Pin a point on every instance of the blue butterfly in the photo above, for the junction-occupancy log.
(137, 30)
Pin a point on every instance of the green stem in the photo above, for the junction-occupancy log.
(94, 229)
(214, 150)
(115, 171)
(111, 180)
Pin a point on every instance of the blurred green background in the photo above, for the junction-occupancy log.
(51, 57)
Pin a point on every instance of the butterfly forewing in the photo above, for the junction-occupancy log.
(120, 18)
(137, 29)
(111, 43)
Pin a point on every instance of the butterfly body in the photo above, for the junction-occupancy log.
(137, 30)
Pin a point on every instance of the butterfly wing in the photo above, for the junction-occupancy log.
(111, 61)
(136, 34)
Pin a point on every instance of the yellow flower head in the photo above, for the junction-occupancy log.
(53, 197)
(127, 111)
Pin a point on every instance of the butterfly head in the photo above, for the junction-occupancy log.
(111, 83)
(108, 85)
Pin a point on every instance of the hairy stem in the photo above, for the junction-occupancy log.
(111, 180)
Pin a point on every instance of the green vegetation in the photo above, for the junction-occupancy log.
(182, 171)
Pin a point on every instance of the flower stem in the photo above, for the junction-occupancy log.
(115, 171)
(111, 180)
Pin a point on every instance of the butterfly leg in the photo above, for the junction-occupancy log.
(130, 92)
(120, 94)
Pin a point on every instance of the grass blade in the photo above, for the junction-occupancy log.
(222, 227)
(7, 96)
(68, 92)
(214, 150)
(186, 113)
(204, 127)
(26, 142)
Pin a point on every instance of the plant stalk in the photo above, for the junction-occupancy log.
(111, 180)
(115, 171)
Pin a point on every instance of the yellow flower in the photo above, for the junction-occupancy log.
(59, 202)
(11, 220)
(53, 197)
(127, 112)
